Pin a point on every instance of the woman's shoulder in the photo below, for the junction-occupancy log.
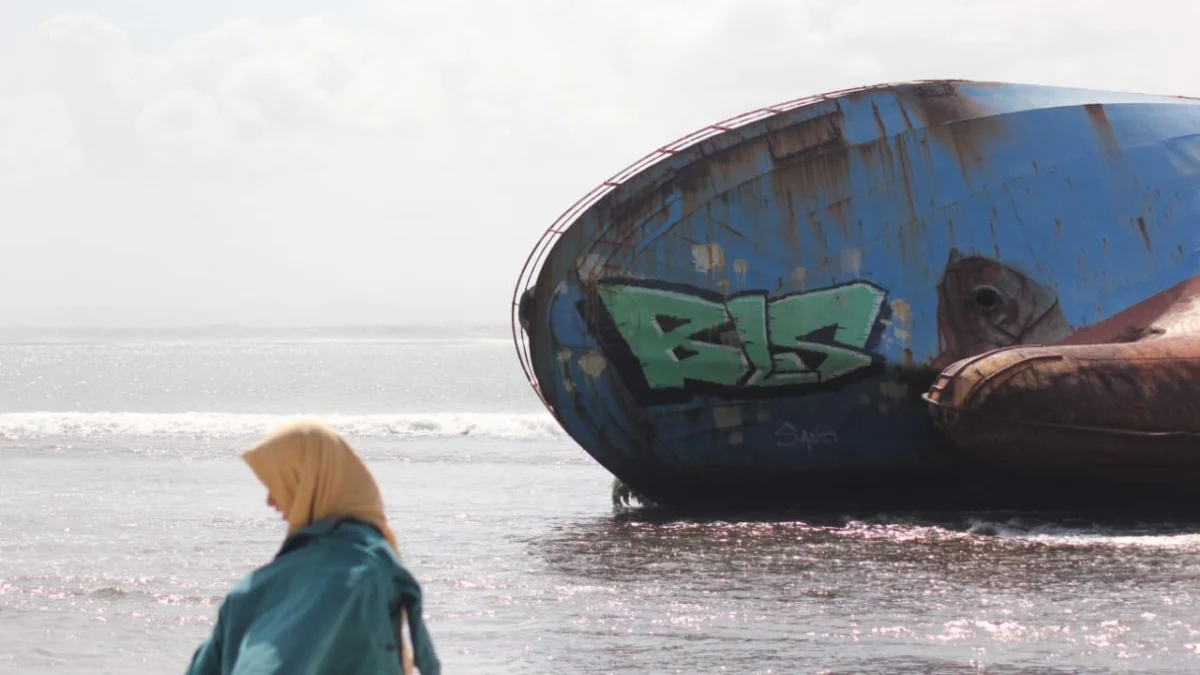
(328, 595)
(346, 555)
(342, 538)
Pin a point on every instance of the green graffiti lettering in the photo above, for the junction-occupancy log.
(844, 314)
(749, 315)
(748, 340)
(810, 326)
(675, 337)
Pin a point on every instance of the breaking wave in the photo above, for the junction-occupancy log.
(33, 426)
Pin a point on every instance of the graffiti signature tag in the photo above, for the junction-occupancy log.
(789, 436)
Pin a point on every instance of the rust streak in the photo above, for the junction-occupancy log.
(811, 165)
(789, 228)
(904, 113)
(956, 122)
(879, 125)
(1102, 127)
(818, 233)
(906, 173)
(1141, 222)
(839, 210)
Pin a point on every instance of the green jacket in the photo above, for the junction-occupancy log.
(329, 602)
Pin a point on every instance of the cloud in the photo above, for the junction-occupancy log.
(406, 159)
(453, 77)
(243, 91)
(37, 138)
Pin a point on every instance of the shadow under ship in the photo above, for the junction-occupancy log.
(927, 294)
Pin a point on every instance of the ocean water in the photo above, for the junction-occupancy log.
(125, 515)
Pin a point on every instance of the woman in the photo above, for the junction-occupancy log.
(335, 597)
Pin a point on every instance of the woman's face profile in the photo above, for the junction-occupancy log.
(275, 505)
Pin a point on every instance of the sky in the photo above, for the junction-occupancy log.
(295, 162)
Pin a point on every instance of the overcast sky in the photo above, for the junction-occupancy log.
(389, 161)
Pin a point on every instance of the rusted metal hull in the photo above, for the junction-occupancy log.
(752, 314)
(1118, 400)
(1111, 409)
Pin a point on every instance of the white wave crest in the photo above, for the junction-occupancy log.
(33, 426)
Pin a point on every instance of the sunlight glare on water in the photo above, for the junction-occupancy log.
(125, 515)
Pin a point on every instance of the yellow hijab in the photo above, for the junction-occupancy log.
(313, 474)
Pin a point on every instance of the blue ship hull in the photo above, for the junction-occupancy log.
(751, 314)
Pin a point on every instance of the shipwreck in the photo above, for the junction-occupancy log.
(931, 293)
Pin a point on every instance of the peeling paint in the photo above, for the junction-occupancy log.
(852, 261)
(727, 416)
(590, 267)
(593, 363)
(707, 257)
(800, 277)
(902, 329)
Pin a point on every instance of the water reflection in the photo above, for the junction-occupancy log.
(987, 592)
